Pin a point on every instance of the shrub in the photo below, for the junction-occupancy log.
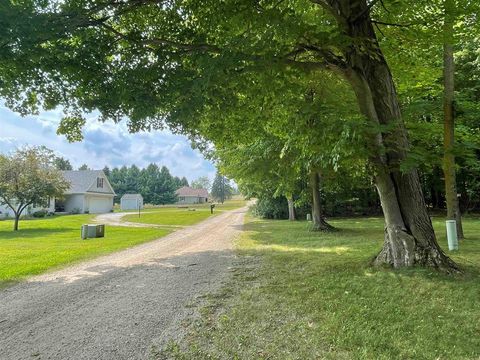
(40, 214)
(75, 211)
(271, 208)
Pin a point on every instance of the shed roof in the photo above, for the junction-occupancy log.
(188, 191)
(81, 180)
(132, 196)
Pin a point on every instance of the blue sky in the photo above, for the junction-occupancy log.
(104, 144)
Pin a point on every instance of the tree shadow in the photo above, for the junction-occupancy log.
(30, 233)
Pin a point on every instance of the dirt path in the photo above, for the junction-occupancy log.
(120, 306)
(115, 219)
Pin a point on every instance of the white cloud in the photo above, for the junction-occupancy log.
(104, 144)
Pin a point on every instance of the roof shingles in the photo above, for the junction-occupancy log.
(188, 191)
(81, 180)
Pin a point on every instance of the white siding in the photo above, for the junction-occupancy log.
(191, 200)
(6, 211)
(74, 202)
(131, 203)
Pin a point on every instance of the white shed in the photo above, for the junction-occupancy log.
(131, 202)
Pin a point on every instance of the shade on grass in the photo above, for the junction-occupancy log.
(42, 244)
(314, 295)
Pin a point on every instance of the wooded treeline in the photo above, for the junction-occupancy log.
(314, 101)
(156, 184)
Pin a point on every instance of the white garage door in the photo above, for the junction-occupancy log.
(100, 205)
(129, 204)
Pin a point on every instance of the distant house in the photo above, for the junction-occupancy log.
(89, 192)
(188, 195)
(131, 202)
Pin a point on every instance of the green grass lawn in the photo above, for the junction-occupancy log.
(169, 216)
(304, 295)
(173, 215)
(42, 244)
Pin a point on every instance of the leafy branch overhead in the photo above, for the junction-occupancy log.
(327, 83)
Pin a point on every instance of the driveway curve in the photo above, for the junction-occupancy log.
(120, 306)
(115, 219)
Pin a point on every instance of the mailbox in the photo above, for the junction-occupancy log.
(92, 231)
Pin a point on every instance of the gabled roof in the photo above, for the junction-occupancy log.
(132, 196)
(188, 191)
(81, 180)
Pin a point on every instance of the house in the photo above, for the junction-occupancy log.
(89, 192)
(131, 202)
(188, 195)
(7, 212)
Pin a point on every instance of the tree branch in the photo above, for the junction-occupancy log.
(7, 202)
(365, 11)
(377, 22)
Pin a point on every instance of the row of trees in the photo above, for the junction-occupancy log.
(156, 184)
(293, 95)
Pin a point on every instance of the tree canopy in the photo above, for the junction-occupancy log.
(330, 81)
(29, 177)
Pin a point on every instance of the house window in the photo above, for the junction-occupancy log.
(99, 182)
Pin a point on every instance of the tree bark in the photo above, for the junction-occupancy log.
(318, 220)
(409, 235)
(291, 208)
(15, 223)
(453, 209)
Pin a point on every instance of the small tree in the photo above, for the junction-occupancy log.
(203, 182)
(84, 167)
(29, 177)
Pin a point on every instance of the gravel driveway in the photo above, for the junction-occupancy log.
(119, 306)
(115, 219)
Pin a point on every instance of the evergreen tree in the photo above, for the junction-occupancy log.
(149, 184)
(106, 171)
(183, 181)
(61, 163)
(221, 188)
(167, 187)
(132, 180)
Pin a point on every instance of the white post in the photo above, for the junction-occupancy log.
(452, 235)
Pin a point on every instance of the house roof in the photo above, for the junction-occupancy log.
(132, 196)
(81, 180)
(188, 191)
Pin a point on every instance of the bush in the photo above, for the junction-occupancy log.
(75, 211)
(40, 214)
(271, 208)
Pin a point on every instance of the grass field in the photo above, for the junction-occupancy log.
(304, 295)
(42, 244)
(51, 242)
(173, 215)
(169, 216)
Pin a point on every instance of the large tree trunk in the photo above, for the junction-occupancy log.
(318, 220)
(291, 208)
(453, 209)
(409, 235)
